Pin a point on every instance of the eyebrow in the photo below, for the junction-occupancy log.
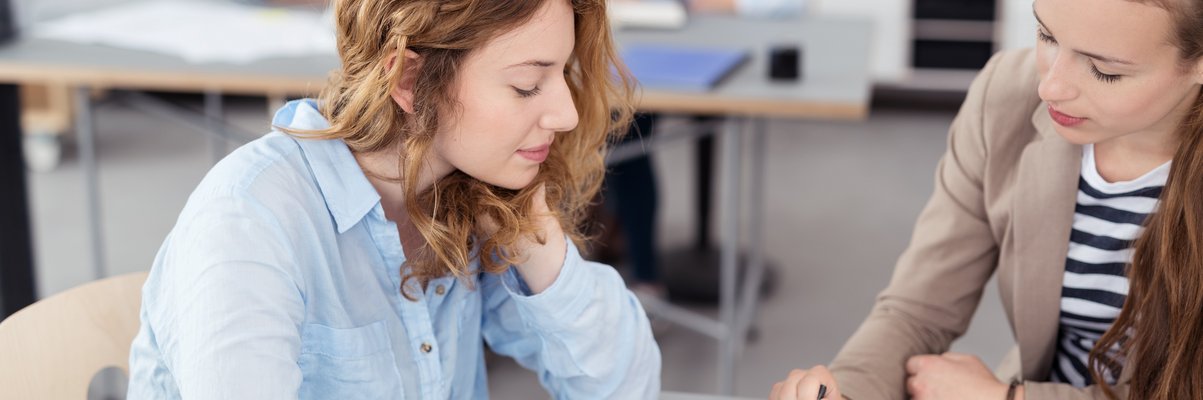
(532, 63)
(1105, 59)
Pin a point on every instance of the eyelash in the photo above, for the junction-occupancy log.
(528, 93)
(1105, 78)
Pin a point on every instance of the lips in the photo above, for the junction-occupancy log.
(1064, 119)
(536, 154)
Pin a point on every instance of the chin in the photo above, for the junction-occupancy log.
(512, 186)
(1077, 136)
(517, 181)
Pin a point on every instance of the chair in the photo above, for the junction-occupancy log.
(53, 348)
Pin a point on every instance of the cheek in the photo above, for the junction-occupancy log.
(1137, 106)
(478, 125)
(482, 140)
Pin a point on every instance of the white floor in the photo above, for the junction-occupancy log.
(841, 199)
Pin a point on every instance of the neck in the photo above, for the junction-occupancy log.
(1131, 156)
(383, 170)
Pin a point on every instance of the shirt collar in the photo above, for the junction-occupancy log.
(348, 194)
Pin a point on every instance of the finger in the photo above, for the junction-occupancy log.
(775, 394)
(965, 359)
(540, 199)
(833, 391)
(827, 378)
(916, 363)
(796, 373)
(957, 356)
(808, 387)
(789, 389)
(912, 386)
(822, 372)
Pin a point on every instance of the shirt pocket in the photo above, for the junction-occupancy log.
(348, 363)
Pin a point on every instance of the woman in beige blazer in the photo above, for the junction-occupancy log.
(1118, 78)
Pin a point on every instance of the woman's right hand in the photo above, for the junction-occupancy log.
(803, 384)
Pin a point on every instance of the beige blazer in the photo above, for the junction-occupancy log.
(1003, 204)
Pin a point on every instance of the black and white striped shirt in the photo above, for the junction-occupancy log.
(1109, 216)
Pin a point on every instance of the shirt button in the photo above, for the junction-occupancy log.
(426, 347)
(440, 290)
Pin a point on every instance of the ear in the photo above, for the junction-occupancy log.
(403, 93)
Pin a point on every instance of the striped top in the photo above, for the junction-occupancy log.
(1108, 218)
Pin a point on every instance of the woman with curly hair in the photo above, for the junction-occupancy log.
(427, 200)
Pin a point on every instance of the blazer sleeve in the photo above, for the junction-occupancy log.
(939, 278)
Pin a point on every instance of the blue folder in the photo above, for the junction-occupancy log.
(691, 69)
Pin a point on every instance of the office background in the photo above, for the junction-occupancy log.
(840, 202)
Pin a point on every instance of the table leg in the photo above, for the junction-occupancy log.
(750, 292)
(17, 288)
(214, 115)
(730, 216)
(704, 161)
(85, 131)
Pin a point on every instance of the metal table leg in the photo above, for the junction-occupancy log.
(730, 215)
(750, 292)
(214, 116)
(85, 130)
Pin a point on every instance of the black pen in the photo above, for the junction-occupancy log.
(822, 391)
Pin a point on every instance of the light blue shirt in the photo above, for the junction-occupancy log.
(281, 280)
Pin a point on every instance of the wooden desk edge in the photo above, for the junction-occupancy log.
(776, 108)
(102, 78)
(705, 104)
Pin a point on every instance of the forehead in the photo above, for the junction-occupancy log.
(548, 35)
(1131, 30)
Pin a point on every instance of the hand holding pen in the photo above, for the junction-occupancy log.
(807, 384)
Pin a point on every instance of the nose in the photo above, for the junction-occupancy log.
(561, 115)
(1057, 84)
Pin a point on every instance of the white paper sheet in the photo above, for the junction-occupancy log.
(661, 14)
(200, 32)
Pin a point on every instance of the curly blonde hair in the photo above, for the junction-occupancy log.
(361, 113)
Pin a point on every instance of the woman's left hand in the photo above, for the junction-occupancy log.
(953, 376)
(541, 262)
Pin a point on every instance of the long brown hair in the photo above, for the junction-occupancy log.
(1160, 327)
(443, 32)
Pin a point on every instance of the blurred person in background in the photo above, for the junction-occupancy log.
(427, 201)
(1074, 172)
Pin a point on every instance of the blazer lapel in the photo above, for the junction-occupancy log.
(1043, 217)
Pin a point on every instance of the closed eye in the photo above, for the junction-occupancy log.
(1107, 78)
(1094, 70)
(524, 93)
(1045, 37)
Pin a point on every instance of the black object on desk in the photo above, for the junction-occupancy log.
(785, 63)
(16, 254)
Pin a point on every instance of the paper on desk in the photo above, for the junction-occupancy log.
(199, 32)
(663, 14)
